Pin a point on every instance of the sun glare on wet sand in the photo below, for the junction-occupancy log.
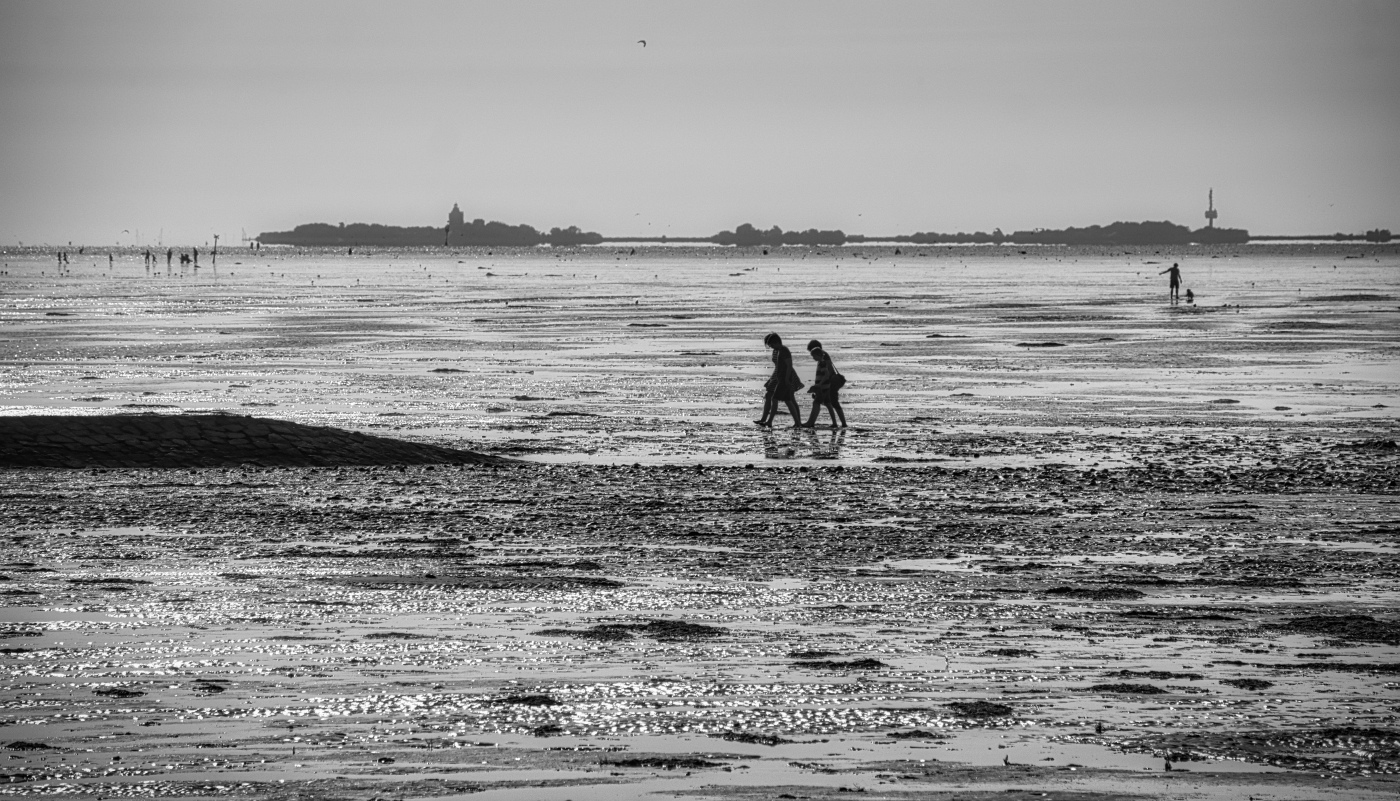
(1076, 542)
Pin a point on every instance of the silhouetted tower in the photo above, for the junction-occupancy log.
(455, 221)
(1211, 213)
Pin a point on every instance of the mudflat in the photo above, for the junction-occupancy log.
(1077, 543)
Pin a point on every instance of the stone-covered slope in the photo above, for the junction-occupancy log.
(204, 440)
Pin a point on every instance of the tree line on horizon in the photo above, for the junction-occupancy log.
(481, 233)
(477, 232)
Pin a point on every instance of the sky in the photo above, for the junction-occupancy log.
(129, 121)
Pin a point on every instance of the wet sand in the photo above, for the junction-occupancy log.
(1121, 546)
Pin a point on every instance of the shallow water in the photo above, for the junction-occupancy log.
(977, 477)
(602, 355)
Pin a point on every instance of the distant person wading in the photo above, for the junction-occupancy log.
(782, 385)
(1173, 274)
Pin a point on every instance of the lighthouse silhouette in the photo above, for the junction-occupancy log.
(1211, 213)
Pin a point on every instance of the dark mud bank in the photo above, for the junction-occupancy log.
(204, 440)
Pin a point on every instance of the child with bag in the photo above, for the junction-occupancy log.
(826, 387)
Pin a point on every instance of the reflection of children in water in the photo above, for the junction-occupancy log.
(773, 449)
(825, 387)
(781, 386)
(1173, 274)
(810, 446)
(833, 445)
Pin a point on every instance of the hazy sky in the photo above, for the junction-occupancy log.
(198, 118)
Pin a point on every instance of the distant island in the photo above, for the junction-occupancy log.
(459, 232)
(1129, 233)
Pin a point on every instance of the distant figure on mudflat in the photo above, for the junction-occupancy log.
(168, 253)
(1190, 296)
(781, 386)
(825, 387)
(1173, 274)
(195, 257)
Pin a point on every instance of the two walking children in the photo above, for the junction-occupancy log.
(782, 386)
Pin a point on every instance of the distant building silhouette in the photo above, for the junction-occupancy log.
(1211, 213)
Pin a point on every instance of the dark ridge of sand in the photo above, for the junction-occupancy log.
(204, 440)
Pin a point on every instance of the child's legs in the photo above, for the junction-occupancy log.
(791, 402)
(835, 406)
(770, 405)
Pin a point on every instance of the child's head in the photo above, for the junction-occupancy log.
(814, 345)
(772, 340)
(817, 353)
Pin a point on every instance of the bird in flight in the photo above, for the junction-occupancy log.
(642, 42)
